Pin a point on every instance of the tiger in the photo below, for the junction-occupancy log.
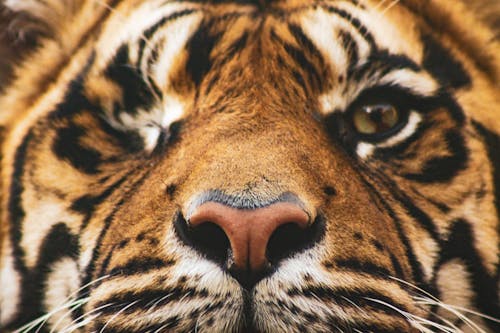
(250, 166)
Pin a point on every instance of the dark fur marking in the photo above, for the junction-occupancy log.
(379, 246)
(74, 101)
(492, 142)
(329, 191)
(300, 59)
(148, 33)
(396, 265)
(351, 47)
(144, 298)
(234, 49)
(140, 266)
(135, 91)
(170, 190)
(86, 204)
(356, 23)
(416, 266)
(358, 236)
(199, 48)
(444, 169)
(363, 267)
(16, 210)
(442, 65)
(341, 297)
(461, 244)
(58, 243)
(411, 208)
(383, 61)
(90, 269)
(68, 147)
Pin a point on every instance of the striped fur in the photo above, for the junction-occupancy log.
(123, 114)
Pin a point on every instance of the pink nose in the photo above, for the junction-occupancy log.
(249, 230)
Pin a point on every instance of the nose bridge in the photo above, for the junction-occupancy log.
(260, 155)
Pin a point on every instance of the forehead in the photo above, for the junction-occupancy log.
(331, 25)
(177, 43)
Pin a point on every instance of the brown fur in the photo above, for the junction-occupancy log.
(254, 127)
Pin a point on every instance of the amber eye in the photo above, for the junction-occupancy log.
(375, 119)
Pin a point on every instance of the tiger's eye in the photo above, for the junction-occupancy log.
(375, 119)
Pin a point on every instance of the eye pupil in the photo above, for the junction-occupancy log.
(375, 119)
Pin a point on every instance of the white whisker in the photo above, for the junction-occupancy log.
(117, 314)
(91, 315)
(386, 9)
(416, 321)
(453, 310)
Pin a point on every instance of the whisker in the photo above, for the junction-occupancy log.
(458, 311)
(462, 309)
(386, 9)
(40, 321)
(117, 314)
(416, 321)
(80, 323)
(453, 310)
(379, 4)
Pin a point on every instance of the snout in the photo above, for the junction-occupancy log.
(249, 242)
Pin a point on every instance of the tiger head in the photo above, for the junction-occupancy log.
(249, 166)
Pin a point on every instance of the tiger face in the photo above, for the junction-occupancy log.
(245, 166)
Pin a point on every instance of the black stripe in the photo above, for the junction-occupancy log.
(383, 61)
(87, 203)
(89, 271)
(135, 91)
(444, 169)
(358, 296)
(57, 244)
(461, 244)
(74, 100)
(413, 210)
(365, 267)
(304, 41)
(16, 210)
(356, 23)
(107, 223)
(144, 298)
(351, 48)
(199, 48)
(399, 151)
(317, 75)
(67, 146)
(298, 57)
(442, 65)
(234, 49)
(416, 266)
(148, 33)
(492, 143)
(139, 265)
(230, 53)
(151, 30)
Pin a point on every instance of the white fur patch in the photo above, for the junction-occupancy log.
(420, 83)
(60, 292)
(10, 284)
(172, 38)
(38, 222)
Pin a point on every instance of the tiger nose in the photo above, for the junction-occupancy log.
(249, 231)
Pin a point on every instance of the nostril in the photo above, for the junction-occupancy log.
(291, 238)
(207, 237)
